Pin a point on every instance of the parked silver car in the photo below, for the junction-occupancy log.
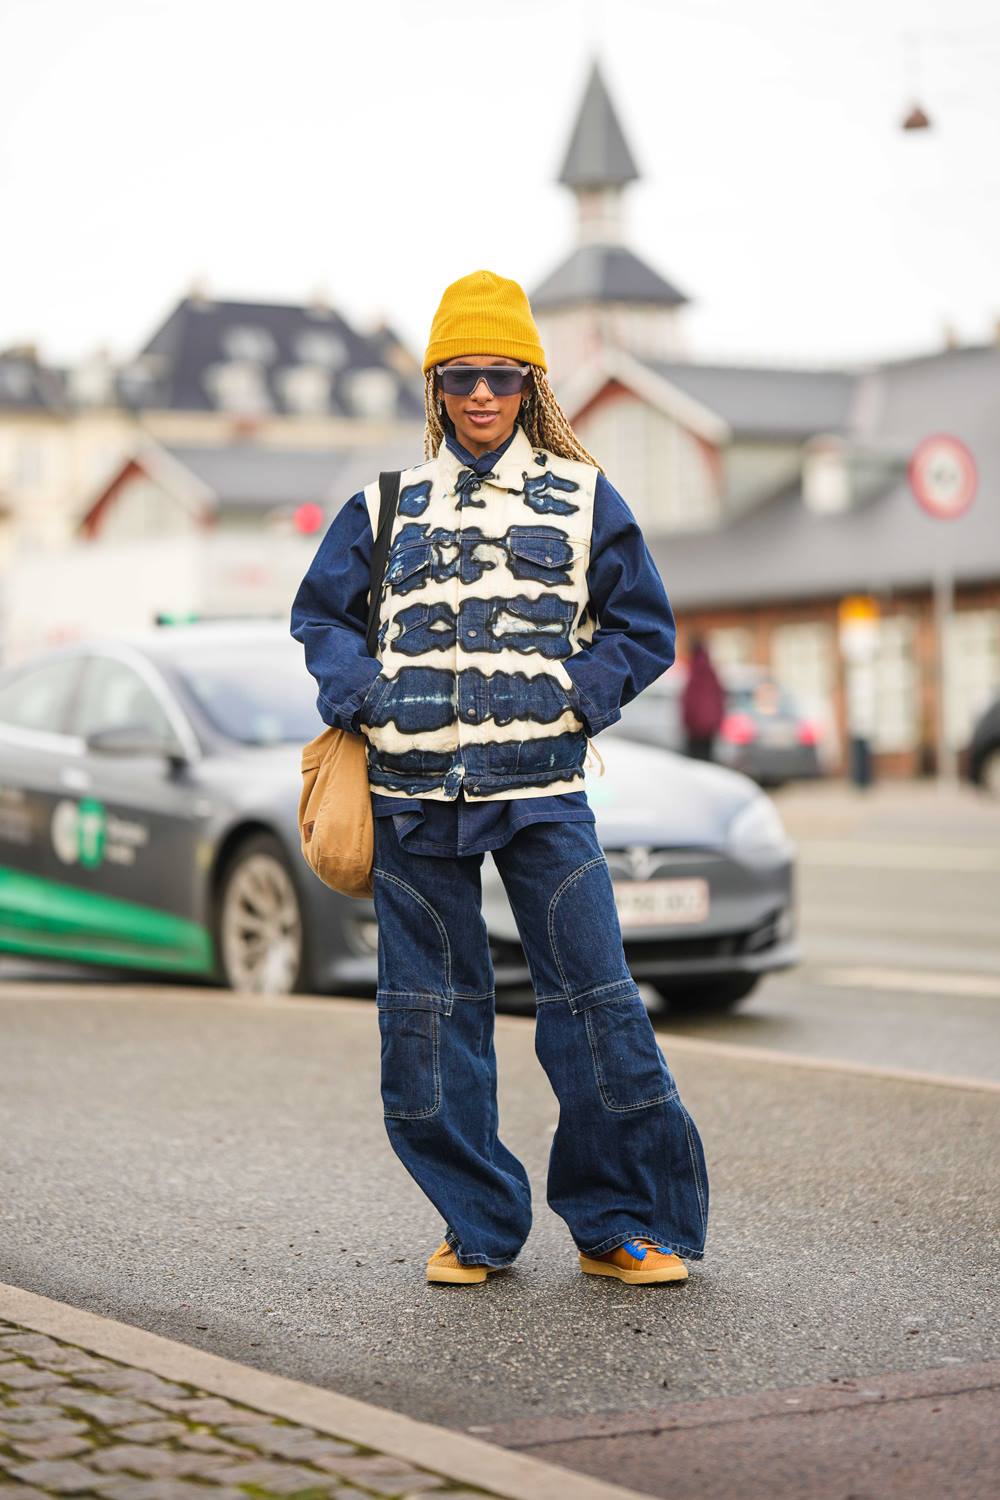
(764, 733)
(148, 801)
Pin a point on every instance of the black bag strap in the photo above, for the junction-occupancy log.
(388, 486)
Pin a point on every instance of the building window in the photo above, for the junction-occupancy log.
(896, 726)
(305, 389)
(29, 462)
(730, 646)
(803, 660)
(972, 670)
(316, 346)
(371, 392)
(248, 342)
(238, 386)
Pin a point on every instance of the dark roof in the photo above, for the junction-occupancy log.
(27, 385)
(778, 403)
(785, 551)
(598, 154)
(604, 273)
(251, 477)
(269, 346)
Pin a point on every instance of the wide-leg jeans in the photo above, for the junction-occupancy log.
(626, 1158)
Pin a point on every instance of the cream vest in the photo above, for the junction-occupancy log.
(485, 595)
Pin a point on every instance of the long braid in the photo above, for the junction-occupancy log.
(547, 425)
(433, 430)
(543, 419)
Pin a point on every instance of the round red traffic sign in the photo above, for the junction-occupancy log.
(942, 475)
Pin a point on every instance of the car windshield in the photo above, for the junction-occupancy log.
(257, 692)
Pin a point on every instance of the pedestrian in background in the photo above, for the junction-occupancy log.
(703, 703)
(520, 609)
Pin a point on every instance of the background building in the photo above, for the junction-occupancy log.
(769, 495)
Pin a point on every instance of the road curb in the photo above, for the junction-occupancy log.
(463, 1459)
(736, 1051)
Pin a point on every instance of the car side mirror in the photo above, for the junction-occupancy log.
(134, 739)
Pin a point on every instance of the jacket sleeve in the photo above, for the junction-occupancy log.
(330, 617)
(636, 635)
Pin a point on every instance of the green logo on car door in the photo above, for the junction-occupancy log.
(79, 832)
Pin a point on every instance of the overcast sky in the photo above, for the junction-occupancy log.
(380, 149)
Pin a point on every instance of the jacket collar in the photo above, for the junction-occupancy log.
(507, 473)
(482, 462)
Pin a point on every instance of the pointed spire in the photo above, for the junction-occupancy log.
(598, 154)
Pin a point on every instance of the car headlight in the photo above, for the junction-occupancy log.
(757, 829)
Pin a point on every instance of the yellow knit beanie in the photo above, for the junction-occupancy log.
(484, 314)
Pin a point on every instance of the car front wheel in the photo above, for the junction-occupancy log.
(711, 995)
(259, 930)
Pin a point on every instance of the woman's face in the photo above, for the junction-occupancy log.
(482, 420)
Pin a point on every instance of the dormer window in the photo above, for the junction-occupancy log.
(247, 341)
(305, 389)
(371, 392)
(317, 346)
(237, 386)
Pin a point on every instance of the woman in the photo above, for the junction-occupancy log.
(703, 703)
(520, 609)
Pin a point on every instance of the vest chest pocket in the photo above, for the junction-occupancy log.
(409, 568)
(403, 625)
(545, 555)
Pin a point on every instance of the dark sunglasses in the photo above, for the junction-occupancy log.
(461, 380)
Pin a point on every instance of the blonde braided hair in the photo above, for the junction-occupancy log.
(543, 419)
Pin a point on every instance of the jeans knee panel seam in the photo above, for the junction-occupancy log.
(556, 897)
(422, 901)
(626, 986)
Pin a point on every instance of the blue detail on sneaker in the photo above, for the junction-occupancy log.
(634, 1248)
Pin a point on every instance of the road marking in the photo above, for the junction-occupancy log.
(468, 1460)
(985, 985)
(861, 855)
(739, 1052)
(940, 1381)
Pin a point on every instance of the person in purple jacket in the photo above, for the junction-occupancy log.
(520, 609)
(703, 702)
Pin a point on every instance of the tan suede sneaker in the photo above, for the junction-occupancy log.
(444, 1265)
(637, 1262)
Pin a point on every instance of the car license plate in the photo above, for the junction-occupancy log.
(661, 903)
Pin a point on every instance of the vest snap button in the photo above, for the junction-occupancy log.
(472, 713)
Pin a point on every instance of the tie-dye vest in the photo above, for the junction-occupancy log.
(485, 594)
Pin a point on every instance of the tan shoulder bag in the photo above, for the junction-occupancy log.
(336, 827)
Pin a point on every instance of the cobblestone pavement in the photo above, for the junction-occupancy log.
(75, 1424)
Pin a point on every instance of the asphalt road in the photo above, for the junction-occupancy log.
(216, 1169)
